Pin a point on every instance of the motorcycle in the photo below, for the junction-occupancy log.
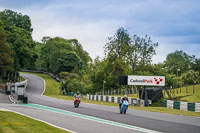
(77, 102)
(124, 107)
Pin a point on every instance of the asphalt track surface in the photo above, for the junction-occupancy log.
(133, 121)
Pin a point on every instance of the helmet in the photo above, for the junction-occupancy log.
(77, 92)
(125, 96)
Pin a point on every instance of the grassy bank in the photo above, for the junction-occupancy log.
(52, 87)
(15, 123)
(187, 94)
(53, 90)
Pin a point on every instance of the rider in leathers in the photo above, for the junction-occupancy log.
(122, 100)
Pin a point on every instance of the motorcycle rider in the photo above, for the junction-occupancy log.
(122, 100)
(76, 95)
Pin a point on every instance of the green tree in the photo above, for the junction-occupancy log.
(191, 77)
(51, 50)
(17, 20)
(74, 82)
(6, 59)
(85, 58)
(178, 60)
(143, 51)
(69, 62)
(118, 46)
(56, 48)
(136, 51)
(18, 31)
(196, 65)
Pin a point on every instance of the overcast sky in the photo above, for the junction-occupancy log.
(174, 24)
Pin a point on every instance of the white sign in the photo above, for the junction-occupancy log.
(146, 80)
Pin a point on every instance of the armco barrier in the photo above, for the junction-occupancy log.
(18, 91)
(42, 72)
(186, 106)
(133, 101)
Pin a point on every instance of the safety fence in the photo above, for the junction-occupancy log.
(112, 99)
(184, 90)
(186, 106)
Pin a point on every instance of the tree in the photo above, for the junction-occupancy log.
(85, 58)
(178, 60)
(196, 65)
(69, 62)
(74, 82)
(119, 67)
(18, 31)
(6, 59)
(16, 19)
(143, 51)
(51, 50)
(191, 77)
(118, 45)
(136, 51)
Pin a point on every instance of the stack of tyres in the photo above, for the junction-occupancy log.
(176, 104)
(191, 106)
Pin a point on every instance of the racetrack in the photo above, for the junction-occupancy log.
(98, 118)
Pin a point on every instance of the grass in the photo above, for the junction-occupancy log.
(22, 78)
(52, 87)
(187, 94)
(14, 123)
(53, 90)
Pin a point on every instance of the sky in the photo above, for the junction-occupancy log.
(174, 24)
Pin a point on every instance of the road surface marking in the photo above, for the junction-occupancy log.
(41, 121)
(90, 118)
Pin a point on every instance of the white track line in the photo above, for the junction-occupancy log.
(40, 120)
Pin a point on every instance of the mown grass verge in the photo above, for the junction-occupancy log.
(53, 90)
(14, 123)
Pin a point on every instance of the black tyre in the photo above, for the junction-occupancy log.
(120, 112)
(124, 110)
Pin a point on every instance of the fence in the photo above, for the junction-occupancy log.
(193, 89)
(183, 91)
(120, 91)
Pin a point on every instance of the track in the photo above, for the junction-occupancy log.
(136, 121)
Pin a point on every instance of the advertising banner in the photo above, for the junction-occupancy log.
(146, 80)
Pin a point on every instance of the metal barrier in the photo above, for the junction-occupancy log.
(18, 91)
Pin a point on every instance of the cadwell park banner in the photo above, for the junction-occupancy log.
(146, 80)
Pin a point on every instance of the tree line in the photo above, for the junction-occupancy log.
(125, 54)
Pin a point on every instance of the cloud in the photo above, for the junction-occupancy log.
(50, 21)
(173, 24)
